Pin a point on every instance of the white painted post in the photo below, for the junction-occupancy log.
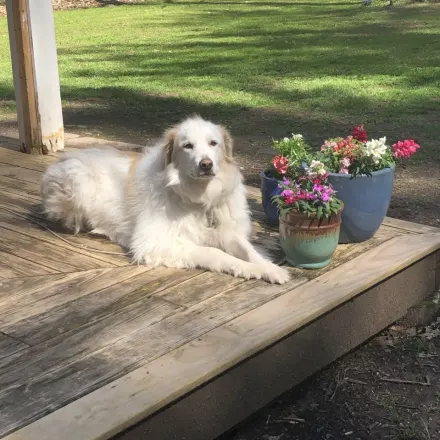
(36, 79)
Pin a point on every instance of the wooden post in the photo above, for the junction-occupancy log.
(36, 80)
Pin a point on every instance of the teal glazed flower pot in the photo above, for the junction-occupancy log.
(307, 242)
(366, 201)
(269, 189)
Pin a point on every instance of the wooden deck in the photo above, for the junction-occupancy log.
(92, 347)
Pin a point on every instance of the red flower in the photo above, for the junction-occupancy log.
(359, 133)
(280, 164)
(405, 148)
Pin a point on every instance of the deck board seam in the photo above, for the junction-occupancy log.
(18, 166)
(57, 271)
(107, 269)
(71, 269)
(73, 248)
(15, 339)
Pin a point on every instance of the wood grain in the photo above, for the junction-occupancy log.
(409, 226)
(66, 368)
(9, 346)
(28, 189)
(46, 254)
(114, 407)
(86, 244)
(36, 297)
(47, 319)
(199, 288)
(20, 174)
(12, 266)
(212, 409)
(36, 163)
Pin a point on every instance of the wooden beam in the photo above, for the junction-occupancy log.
(36, 81)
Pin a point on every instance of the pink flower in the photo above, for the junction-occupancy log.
(345, 162)
(343, 171)
(405, 148)
(280, 164)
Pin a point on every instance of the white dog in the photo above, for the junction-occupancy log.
(182, 204)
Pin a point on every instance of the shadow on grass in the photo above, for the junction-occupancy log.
(293, 78)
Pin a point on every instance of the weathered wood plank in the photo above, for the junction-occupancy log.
(12, 266)
(212, 409)
(90, 245)
(30, 297)
(126, 401)
(46, 254)
(21, 174)
(67, 368)
(409, 226)
(19, 202)
(199, 288)
(9, 346)
(59, 313)
(36, 163)
(27, 189)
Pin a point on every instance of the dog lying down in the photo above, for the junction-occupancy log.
(182, 204)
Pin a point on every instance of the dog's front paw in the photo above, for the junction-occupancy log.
(275, 274)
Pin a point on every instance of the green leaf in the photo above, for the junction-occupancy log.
(319, 212)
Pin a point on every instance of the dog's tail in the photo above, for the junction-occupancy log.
(67, 190)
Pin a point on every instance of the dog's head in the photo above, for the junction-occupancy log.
(197, 148)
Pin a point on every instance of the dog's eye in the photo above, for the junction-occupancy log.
(213, 143)
(188, 146)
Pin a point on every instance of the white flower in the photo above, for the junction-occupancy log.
(297, 136)
(375, 148)
(316, 169)
(286, 139)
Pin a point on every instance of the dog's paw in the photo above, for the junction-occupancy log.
(274, 274)
(266, 271)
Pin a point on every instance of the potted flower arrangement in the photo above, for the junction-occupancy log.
(290, 153)
(310, 217)
(362, 172)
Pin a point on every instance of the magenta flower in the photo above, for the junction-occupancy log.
(317, 187)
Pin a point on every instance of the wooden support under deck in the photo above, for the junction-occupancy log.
(92, 347)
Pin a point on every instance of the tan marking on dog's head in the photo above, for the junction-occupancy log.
(228, 142)
(168, 144)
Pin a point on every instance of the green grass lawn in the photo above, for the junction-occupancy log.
(262, 67)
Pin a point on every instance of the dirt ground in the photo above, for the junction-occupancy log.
(389, 389)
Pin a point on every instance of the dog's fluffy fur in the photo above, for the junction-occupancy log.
(164, 207)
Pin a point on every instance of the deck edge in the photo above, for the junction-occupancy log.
(124, 402)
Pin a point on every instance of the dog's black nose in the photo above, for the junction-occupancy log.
(206, 164)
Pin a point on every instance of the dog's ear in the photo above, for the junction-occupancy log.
(168, 144)
(228, 142)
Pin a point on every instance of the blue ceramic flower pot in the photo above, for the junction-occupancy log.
(366, 201)
(269, 188)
